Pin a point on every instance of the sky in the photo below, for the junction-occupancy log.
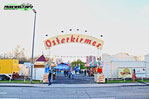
(124, 25)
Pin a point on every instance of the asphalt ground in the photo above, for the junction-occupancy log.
(78, 79)
(49, 92)
(80, 87)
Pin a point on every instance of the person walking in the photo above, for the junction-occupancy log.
(134, 75)
(69, 74)
(49, 77)
(85, 72)
(54, 74)
(65, 73)
(73, 74)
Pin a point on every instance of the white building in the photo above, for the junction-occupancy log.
(122, 65)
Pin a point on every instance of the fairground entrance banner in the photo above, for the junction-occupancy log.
(73, 38)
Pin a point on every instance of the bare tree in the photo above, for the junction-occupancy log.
(22, 54)
(16, 52)
(19, 53)
(10, 54)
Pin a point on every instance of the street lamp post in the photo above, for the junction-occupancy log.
(33, 45)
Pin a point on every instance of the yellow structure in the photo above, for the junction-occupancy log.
(8, 66)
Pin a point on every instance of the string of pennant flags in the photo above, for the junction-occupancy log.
(72, 56)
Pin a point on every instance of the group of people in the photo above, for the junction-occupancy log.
(90, 72)
(86, 73)
(66, 72)
(69, 73)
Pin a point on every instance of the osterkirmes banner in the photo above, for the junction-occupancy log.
(73, 38)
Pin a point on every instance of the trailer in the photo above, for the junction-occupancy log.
(8, 67)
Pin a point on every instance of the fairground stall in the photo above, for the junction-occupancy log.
(91, 65)
(94, 68)
(39, 68)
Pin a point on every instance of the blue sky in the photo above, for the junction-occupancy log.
(124, 24)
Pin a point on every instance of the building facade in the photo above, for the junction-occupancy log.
(122, 65)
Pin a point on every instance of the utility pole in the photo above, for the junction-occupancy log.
(33, 46)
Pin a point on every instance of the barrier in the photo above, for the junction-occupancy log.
(99, 78)
(45, 78)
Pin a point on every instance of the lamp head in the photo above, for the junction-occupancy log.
(34, 11)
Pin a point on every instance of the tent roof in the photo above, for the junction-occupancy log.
(61, 66)
(93, 63)
(41, 58)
